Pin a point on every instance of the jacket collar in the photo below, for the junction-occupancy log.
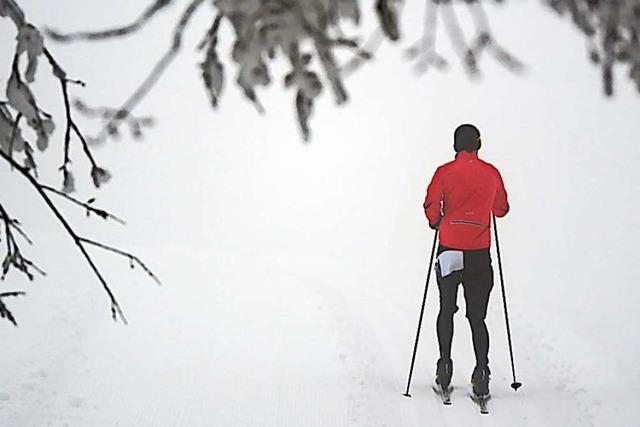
(466, 155)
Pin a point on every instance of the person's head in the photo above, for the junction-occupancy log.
(466, 138)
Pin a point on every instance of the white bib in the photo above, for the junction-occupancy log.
(450, 261)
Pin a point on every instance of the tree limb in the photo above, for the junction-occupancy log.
(147, 14)
(132, 258)
(14, 132)
(5, 313)
(70, 123)
(155, 73)
(100, 212)
(116, 311)
(13, 256)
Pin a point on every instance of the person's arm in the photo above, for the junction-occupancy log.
(433, 201)
(500, 203)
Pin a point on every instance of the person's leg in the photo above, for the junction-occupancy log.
(448, 287)
(477, 283)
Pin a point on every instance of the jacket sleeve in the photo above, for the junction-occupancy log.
(500, 203)
(433, 201)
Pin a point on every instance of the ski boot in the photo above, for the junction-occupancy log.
(480, 381)
(444, 370)
(480, 387)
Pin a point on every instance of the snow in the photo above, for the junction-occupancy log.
(276, 344)
(292, 274)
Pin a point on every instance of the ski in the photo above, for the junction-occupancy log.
(445, 395)
(481, 401)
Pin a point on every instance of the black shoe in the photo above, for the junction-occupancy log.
(480, 380)
(444, 370)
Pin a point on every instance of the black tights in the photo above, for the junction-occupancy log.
(477, 281)
(479, 332)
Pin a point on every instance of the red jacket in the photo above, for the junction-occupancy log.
(460, 199)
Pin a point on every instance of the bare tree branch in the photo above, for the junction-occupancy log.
(14, 132)
(5, 313)
(155, 73)
(116, 311)
(106, 114)
(424, 50)
(372, 44)
(132, 258)
(61, 75)
(13, 256)
(16, 227)
(147, 14)
(90, 209)
(21, 99)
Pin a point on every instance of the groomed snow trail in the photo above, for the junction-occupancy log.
(270, 343)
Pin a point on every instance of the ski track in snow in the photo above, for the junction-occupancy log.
(363, 348)
(276, 346)
(366, 316)
(376, 358)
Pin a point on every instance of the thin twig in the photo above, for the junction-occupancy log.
(58, 72)
(26, 92)
(85, 144)
(486, 40)
(4, 310)
(424, 50)
(13, 256)
(16, 227)
(11, 294)
(132, 258)
(14, 133)
(456, 35)
(373, 43)
(70, 124)
(7, 229)
(100, 212)
(156, 72)
(148, 13)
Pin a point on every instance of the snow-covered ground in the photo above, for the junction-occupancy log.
(292, 275)
(275, 343)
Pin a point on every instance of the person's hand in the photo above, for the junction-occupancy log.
(435, 226)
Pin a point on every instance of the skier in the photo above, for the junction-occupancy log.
(460, 199)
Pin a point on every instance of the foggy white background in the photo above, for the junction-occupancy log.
(293, 273)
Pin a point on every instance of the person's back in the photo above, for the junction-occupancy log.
(460, 199)
(466, 191)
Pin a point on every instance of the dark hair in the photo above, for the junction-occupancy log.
(466, 138)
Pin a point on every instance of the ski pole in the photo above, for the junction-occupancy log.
(424, 300)
(515, 384)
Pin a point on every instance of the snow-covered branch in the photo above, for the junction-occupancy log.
(302, 30)
(134, 99)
